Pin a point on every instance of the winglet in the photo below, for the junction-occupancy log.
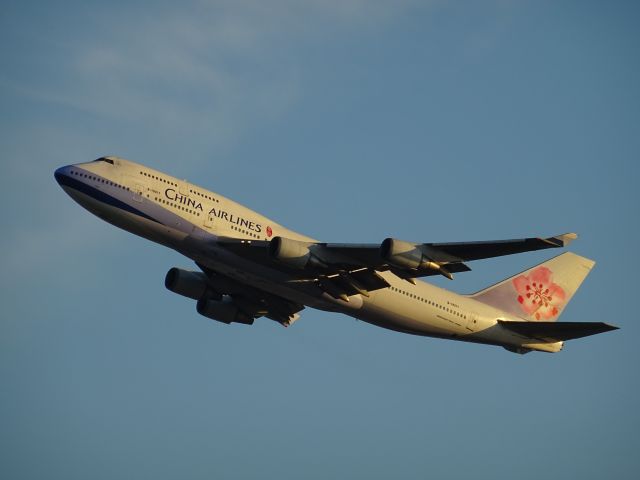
(562, 240)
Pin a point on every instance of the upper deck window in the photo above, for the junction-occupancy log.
(104, 159)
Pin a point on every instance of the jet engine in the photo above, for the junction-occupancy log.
(186, 283)
(292, 253)
(224, 311)
(409, 256)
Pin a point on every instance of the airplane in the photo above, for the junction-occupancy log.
(250, 266)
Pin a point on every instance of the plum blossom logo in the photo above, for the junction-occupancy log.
(538, 296)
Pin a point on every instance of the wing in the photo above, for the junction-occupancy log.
(466, 251)
(342, 269)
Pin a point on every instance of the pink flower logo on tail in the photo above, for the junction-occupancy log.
(538, 296)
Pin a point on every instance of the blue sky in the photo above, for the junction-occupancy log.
(348, 121)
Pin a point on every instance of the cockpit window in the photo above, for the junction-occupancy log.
(104, 159)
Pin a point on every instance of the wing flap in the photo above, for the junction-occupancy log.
(345, 284)
(557, 331)
(369, 279)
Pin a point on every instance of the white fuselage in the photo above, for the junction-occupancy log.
(189, 219)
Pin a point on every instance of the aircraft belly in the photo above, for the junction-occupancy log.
(261, 277)
(387, 310)
(129, 221)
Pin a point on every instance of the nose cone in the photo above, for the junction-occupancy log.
(62, 175)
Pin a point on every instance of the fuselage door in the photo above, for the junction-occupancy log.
(135, 185)
(184, 188)
(138, 191)
(472, 321)
(209, 220)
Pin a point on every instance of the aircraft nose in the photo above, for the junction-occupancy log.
(61, 173)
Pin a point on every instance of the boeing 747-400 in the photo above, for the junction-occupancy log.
(251, 267)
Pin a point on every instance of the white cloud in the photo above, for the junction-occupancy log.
(206, 69)
(209, 70)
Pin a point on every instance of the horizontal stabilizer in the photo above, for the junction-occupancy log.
(557, 331)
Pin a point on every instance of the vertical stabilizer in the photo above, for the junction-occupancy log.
(542, 292)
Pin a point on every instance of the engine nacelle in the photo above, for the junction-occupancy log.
(405, 255)
(292, 253)
(186, 283)
(224, 311)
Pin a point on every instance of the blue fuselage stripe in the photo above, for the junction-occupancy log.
(101, 196)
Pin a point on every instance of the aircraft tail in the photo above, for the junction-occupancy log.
(542, 292)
